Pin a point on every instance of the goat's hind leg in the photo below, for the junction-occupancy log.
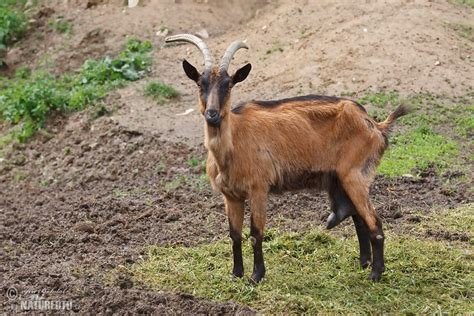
(357, 188)
(235, 214)
(342, 208)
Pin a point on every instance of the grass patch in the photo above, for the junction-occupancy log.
(28, 99)
(160, 92)
(454, 221)
(61, 26)
(314, 272)
(420, 148)
(434, 134)
(469, 3)
(463, 30)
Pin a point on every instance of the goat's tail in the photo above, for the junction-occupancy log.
(386, 125)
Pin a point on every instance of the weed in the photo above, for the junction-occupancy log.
(177, 182)
(193, 162)
(313, 273)
(28, 100)
(381, 99)
(119, 193)
(99, 111)
(160, 92)
(61, 26)
(161, 167)
(274, 49)
(13, 25)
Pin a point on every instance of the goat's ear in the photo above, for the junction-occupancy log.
(241, 74)
(191, 71)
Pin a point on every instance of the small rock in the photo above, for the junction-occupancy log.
(203, 34)
(162, 32)
(132, 3)
(437, 63)
(86, 227)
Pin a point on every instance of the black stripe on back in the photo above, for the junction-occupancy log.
(312, 97)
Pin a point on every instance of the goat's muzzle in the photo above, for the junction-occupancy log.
(212, 117)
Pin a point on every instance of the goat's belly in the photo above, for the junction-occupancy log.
(317, 180)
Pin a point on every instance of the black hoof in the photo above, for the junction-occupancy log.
(375, 276)
(365, 263)
(238, 273)
(256, 277)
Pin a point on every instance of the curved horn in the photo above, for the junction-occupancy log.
(229, 53)
(196, 41)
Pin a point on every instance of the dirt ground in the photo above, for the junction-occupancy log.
(89, 196)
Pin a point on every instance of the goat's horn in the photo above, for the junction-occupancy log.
(196, 41)
(229, 53)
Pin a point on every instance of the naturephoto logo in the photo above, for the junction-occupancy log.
(37, 300)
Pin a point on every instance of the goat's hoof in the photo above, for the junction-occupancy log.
(256, 277)
(332, 221)
(238, 274)
(375, 276)
(365, 263)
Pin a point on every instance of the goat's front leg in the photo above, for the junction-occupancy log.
(235, 213)
(258, 208)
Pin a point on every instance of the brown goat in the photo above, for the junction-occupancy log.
(316, 142)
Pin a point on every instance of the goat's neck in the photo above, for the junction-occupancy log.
(219, 142)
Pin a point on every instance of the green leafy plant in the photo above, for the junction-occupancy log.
(29, 99)
(13, 25)
(61, 26)
(160, 92)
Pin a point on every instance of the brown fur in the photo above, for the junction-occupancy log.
(316, 142)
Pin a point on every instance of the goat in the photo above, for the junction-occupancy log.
(315, 142)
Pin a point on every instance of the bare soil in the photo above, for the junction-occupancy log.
(91, 195)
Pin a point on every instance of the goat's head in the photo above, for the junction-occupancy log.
(214, 84)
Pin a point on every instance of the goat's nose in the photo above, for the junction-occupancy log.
(212, 117)
(211, 114)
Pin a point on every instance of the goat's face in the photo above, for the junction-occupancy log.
(214, 90)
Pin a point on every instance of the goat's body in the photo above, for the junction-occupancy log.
(294, 147)
(314, 142)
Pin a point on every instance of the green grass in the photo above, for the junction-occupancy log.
(469, 3)
(420, 148)
(61, 26)
(463, 30)
(160, 92)
(28, 99)
(13, 24)
(434, 134)
(380, 99)
(454, 221)
(313, 272)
